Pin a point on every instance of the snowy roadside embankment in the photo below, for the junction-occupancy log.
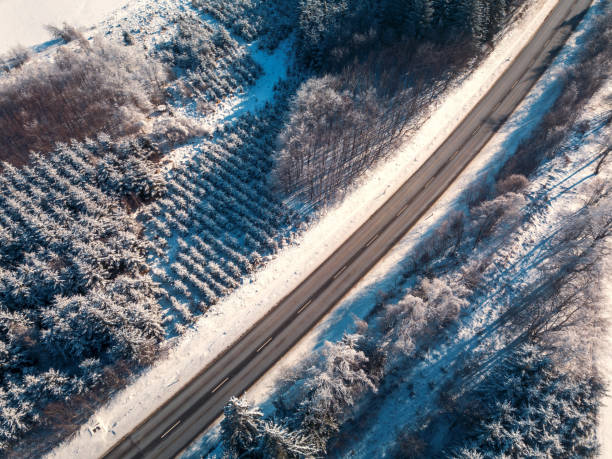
(240, 310)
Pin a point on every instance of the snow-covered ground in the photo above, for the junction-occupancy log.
(214, 332)
(22, 22)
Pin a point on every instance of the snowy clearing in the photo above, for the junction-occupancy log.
(212, 334)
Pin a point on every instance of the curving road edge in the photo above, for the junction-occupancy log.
(181, 419)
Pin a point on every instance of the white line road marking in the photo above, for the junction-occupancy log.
(372, 240)
(170, 429)
(429, 182)
(402, 210)
(547, 42)
(340, 272)
(515, 83)
(219, 385)
(264, 344)
(453, 155)
(304, 306)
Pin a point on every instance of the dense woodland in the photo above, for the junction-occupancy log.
(377, 66)
(75, 296)
(102, 258)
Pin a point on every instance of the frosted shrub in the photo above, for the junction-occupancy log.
(82, 91)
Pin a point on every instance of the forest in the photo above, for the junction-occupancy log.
(76, 299)
(103, 259)
(377, 66)
(373, 67)
(110, 246)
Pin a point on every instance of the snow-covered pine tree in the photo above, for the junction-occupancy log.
(240, 427)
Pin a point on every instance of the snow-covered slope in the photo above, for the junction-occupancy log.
(22, 22)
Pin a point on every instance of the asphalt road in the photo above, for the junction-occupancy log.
(172, 427)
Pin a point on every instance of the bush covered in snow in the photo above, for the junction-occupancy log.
(214, 64)
(86, 88)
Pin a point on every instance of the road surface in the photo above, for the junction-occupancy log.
(172, 427)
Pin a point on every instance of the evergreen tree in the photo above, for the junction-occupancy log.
(498, 9)
(419, 17)
(240, 427)
(479, 19)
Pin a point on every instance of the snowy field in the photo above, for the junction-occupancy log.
(211, 333)
(362, 298)
(22, 22)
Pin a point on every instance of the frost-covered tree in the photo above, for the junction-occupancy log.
(75, 296)
(280, 442)
(334, 389)
(240, 427)
(532, 409)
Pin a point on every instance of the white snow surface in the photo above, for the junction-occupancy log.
(225, 322)
(22, 22)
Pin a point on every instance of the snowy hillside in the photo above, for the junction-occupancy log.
(22, 22)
